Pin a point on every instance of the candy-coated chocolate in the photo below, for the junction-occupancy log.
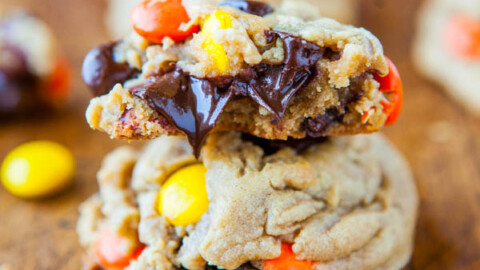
(37, 169)
(391, 84)
(155, 20)
(218, 20)
(287, 261)
(183, 198)
(109, 254)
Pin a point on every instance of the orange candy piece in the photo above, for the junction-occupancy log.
(108, 254)
(391, 84)
(59, 82)
(462, 37)
(156, 19)
(287, 261)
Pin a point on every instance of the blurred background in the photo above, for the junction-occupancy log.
(440, 139)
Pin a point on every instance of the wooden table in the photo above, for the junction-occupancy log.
(439, 138)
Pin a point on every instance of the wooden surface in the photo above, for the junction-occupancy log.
(439, 138)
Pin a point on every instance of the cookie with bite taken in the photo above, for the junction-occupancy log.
(194, 67)
(250, 203)
(33, 73)
(447, 48)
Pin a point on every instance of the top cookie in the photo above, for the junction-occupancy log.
(239, 66)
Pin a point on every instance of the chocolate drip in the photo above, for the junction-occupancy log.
(272, 146)
(253, 7)
(100, 71)
(193, 105)
(19, 87)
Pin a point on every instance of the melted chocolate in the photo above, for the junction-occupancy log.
(274, 85)
(100, 72)
(272, 146)
(253, 7)
(193, 105)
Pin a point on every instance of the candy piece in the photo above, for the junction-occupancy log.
(183, 198)
(38, 169)
(218, 20)
(391, 84)
(154, 20)
(462, 37)
(109, 254)
(59, 82)
(287, 261)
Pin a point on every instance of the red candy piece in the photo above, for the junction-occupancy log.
(462, 36)
(391, 84)
(287, 261)
(156, 19)
(108, 254)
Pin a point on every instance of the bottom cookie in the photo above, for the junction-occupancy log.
(336, 203)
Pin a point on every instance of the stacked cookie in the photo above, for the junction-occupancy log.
(246, 169)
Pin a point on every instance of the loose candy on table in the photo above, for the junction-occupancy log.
(38, 169)
(183, 198)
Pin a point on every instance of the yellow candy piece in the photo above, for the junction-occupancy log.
(183, 198)
(218, 20)
(37, 169)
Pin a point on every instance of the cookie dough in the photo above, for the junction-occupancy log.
(280, 76)
(344, 11)
(444, 49)
(342, 203)
(33, 75)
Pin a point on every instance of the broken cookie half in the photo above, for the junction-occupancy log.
(239, 65)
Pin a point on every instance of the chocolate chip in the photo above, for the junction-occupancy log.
(272, 146)
(253, 7)
(100, 71)
(316, 127)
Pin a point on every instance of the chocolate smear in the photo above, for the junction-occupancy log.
(193, 105)
(100, 71)
(253, 7)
